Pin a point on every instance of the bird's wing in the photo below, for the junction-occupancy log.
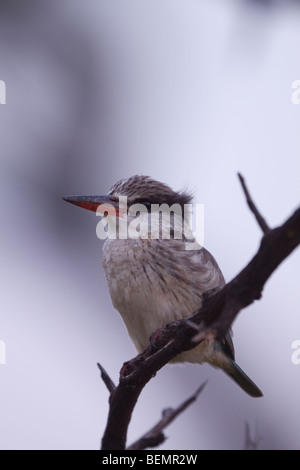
(227, 344)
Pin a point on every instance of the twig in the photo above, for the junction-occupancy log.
(106, 379)
(260, 220)
(251, 443)
(155, 436)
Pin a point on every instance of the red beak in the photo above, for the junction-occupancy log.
(91, 203)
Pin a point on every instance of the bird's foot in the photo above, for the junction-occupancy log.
(154, 339)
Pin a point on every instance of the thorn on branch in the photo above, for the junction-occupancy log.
(260, 220)
(155, 436)
(106, 379)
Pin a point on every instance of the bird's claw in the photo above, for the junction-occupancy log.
(154, 338)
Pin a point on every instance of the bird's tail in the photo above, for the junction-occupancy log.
(239, 376)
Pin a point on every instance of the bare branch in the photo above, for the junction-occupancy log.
(261, 221)
(106, 379)
(155, 436)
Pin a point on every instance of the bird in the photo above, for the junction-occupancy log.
(157, 273)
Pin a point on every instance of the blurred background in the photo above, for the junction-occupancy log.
(188, 92)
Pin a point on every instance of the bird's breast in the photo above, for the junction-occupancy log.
(149, 286)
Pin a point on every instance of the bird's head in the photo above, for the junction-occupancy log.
(140, 207)
(138, 190)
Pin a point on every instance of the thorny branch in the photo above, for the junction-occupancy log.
(106, 379)
(260, 220)
(155, 436)
(214, 319)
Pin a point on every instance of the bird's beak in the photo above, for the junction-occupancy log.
(92, 203)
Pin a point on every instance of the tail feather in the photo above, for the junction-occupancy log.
(238, 375)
